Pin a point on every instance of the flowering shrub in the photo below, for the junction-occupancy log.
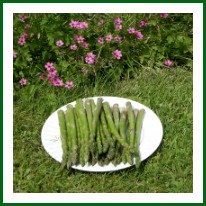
(67, 50)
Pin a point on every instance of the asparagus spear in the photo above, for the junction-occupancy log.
(122, 129)
(109, 139)
(95, 121)
(81, 115)
(71, 135)
(105, 144)
(116, 116)
(89, 113)
(131, 121)
(96, 117)
(79, 140)
(63, 136)
(99, 142)
(139, 122)
(112, 127)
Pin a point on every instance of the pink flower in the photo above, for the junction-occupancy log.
(51, 76)
(73, 47)
(57, 82)
(78, 24)
(131, 30)
(108, 38)
(22, 41)
(117, 54)
(59, 43)
(118, 24)
(118, 27)
(49, 66)
(139, 35)
(90, 58)
(22, 38)
(52, 72)
(79, 39)
(164, 15)
(25, 35)
(23, 82)
(118, 20)
(14, 54)
(143, 23)
(82, 25)
(100, 40)
(23, 18)
(168, 63)
(69, 84)
(73, 24)
(85, 45)
(118, 39)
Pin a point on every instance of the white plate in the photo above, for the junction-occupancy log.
(151, 136)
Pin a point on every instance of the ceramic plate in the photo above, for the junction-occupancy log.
(151, 135)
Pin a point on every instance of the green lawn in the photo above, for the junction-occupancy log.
(168, 92)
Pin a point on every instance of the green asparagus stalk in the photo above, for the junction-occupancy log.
(139, 123)
(118, 150)
(131, 121)
(116, 115)
(109, 139)
(112, 127)
(89, 113)
(93, 144)
(122, 128)
(81, 114)
(99, 142)
(63, 136)
(95, 119)
(105, 143)
(79, 140)
(71, 136)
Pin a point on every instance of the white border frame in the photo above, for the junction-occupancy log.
(9, 196)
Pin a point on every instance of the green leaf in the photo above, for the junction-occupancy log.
(170, 39)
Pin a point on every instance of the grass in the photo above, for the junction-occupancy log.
(167, 92)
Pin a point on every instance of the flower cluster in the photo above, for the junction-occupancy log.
(59, 43)
(90, 58)
(118, 24)
(106, 46)
(53, 77)
(23, 82)
(164, 15)
(136, 33)
(69, 84)
(23, 18)
(81, 40)
(22, 39)
(168, 63)
(117, 54)
(143, 23)
(73, 47)
(108, 38)
(78, 25)
(100, 40)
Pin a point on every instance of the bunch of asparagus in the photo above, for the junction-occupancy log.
(96, 133)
